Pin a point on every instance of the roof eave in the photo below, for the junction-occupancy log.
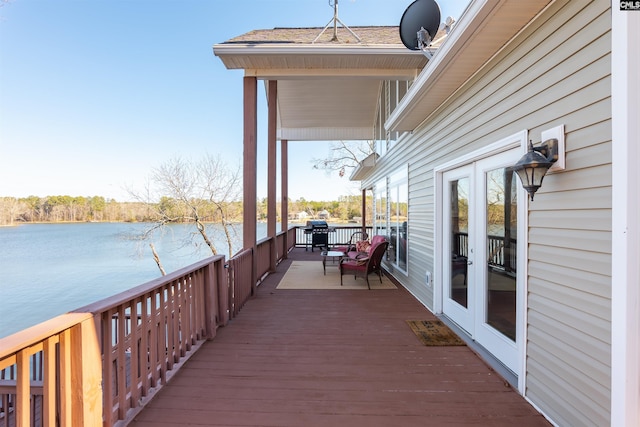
(460, 53)
(226, 51)
(364, 168)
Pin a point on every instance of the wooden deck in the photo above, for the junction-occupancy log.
(333, 358)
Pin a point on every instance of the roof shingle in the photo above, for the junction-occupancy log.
(368, 36)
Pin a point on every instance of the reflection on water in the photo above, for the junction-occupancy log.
(50, 269)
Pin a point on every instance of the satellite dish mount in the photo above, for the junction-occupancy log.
(424, 39)
(335, 20)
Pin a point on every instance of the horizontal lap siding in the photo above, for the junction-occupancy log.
(421, 235)
(420, 230)
(569, 283)
(555, 72)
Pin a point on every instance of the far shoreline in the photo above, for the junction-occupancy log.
(297, 222)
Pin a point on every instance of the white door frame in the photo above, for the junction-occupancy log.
(519, 139)
(462, 316)
(485, 334)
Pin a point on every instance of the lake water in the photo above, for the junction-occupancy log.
(50, 269)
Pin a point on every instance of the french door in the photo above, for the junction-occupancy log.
(481, 286)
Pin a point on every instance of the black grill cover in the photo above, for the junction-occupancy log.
(319, 233)
(317, 224)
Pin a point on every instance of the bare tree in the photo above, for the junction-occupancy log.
(344, 155)
(222, 186)
(9, 209)
(192, 191)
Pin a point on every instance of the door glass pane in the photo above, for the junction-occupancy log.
(502, 209)
(459, 239)
(403, 217)
(380, 220)
(398, 218)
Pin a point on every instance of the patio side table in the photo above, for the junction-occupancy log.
(334, 255)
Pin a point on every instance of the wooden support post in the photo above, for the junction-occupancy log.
(86, 375)
(271, 173)
(250, 171)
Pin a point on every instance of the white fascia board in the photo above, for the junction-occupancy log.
(359, 73)
(257, 49)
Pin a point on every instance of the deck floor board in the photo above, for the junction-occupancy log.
(333, 358)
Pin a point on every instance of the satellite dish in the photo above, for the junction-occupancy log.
(421, 14)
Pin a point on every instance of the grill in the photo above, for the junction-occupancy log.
(317, 233)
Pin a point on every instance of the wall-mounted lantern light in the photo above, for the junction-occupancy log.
(533, 166)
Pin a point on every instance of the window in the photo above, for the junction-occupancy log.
(398, 219)
(380, 208)
(391, 216)
(379, 131)
(391, 93)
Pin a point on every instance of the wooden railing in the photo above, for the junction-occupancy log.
(240, 288)
(281, 245)
(291, 238)
(52, 371)
(501, 252)
(100, 364)
(263, 258)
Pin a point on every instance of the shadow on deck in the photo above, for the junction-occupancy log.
(333, 358)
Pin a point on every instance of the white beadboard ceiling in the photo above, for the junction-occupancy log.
(346, 105)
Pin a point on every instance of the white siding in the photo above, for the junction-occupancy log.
(557, 71)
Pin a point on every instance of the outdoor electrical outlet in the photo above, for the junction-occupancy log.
(428, 278)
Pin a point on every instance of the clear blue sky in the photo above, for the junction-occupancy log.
(94, 94)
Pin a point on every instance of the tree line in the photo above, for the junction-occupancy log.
(199, 190)
(100, 209)
(72, 209)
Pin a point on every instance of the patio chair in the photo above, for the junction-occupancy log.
(350, 246)
(362, 267)
(357, 253)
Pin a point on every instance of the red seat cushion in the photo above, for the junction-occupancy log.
(354, 265)
(357, 255)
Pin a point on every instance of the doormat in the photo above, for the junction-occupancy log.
(434, 333)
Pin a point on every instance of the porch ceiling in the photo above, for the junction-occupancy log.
(327, 90)
(327, 109)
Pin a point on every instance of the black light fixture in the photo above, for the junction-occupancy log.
(533, 166)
